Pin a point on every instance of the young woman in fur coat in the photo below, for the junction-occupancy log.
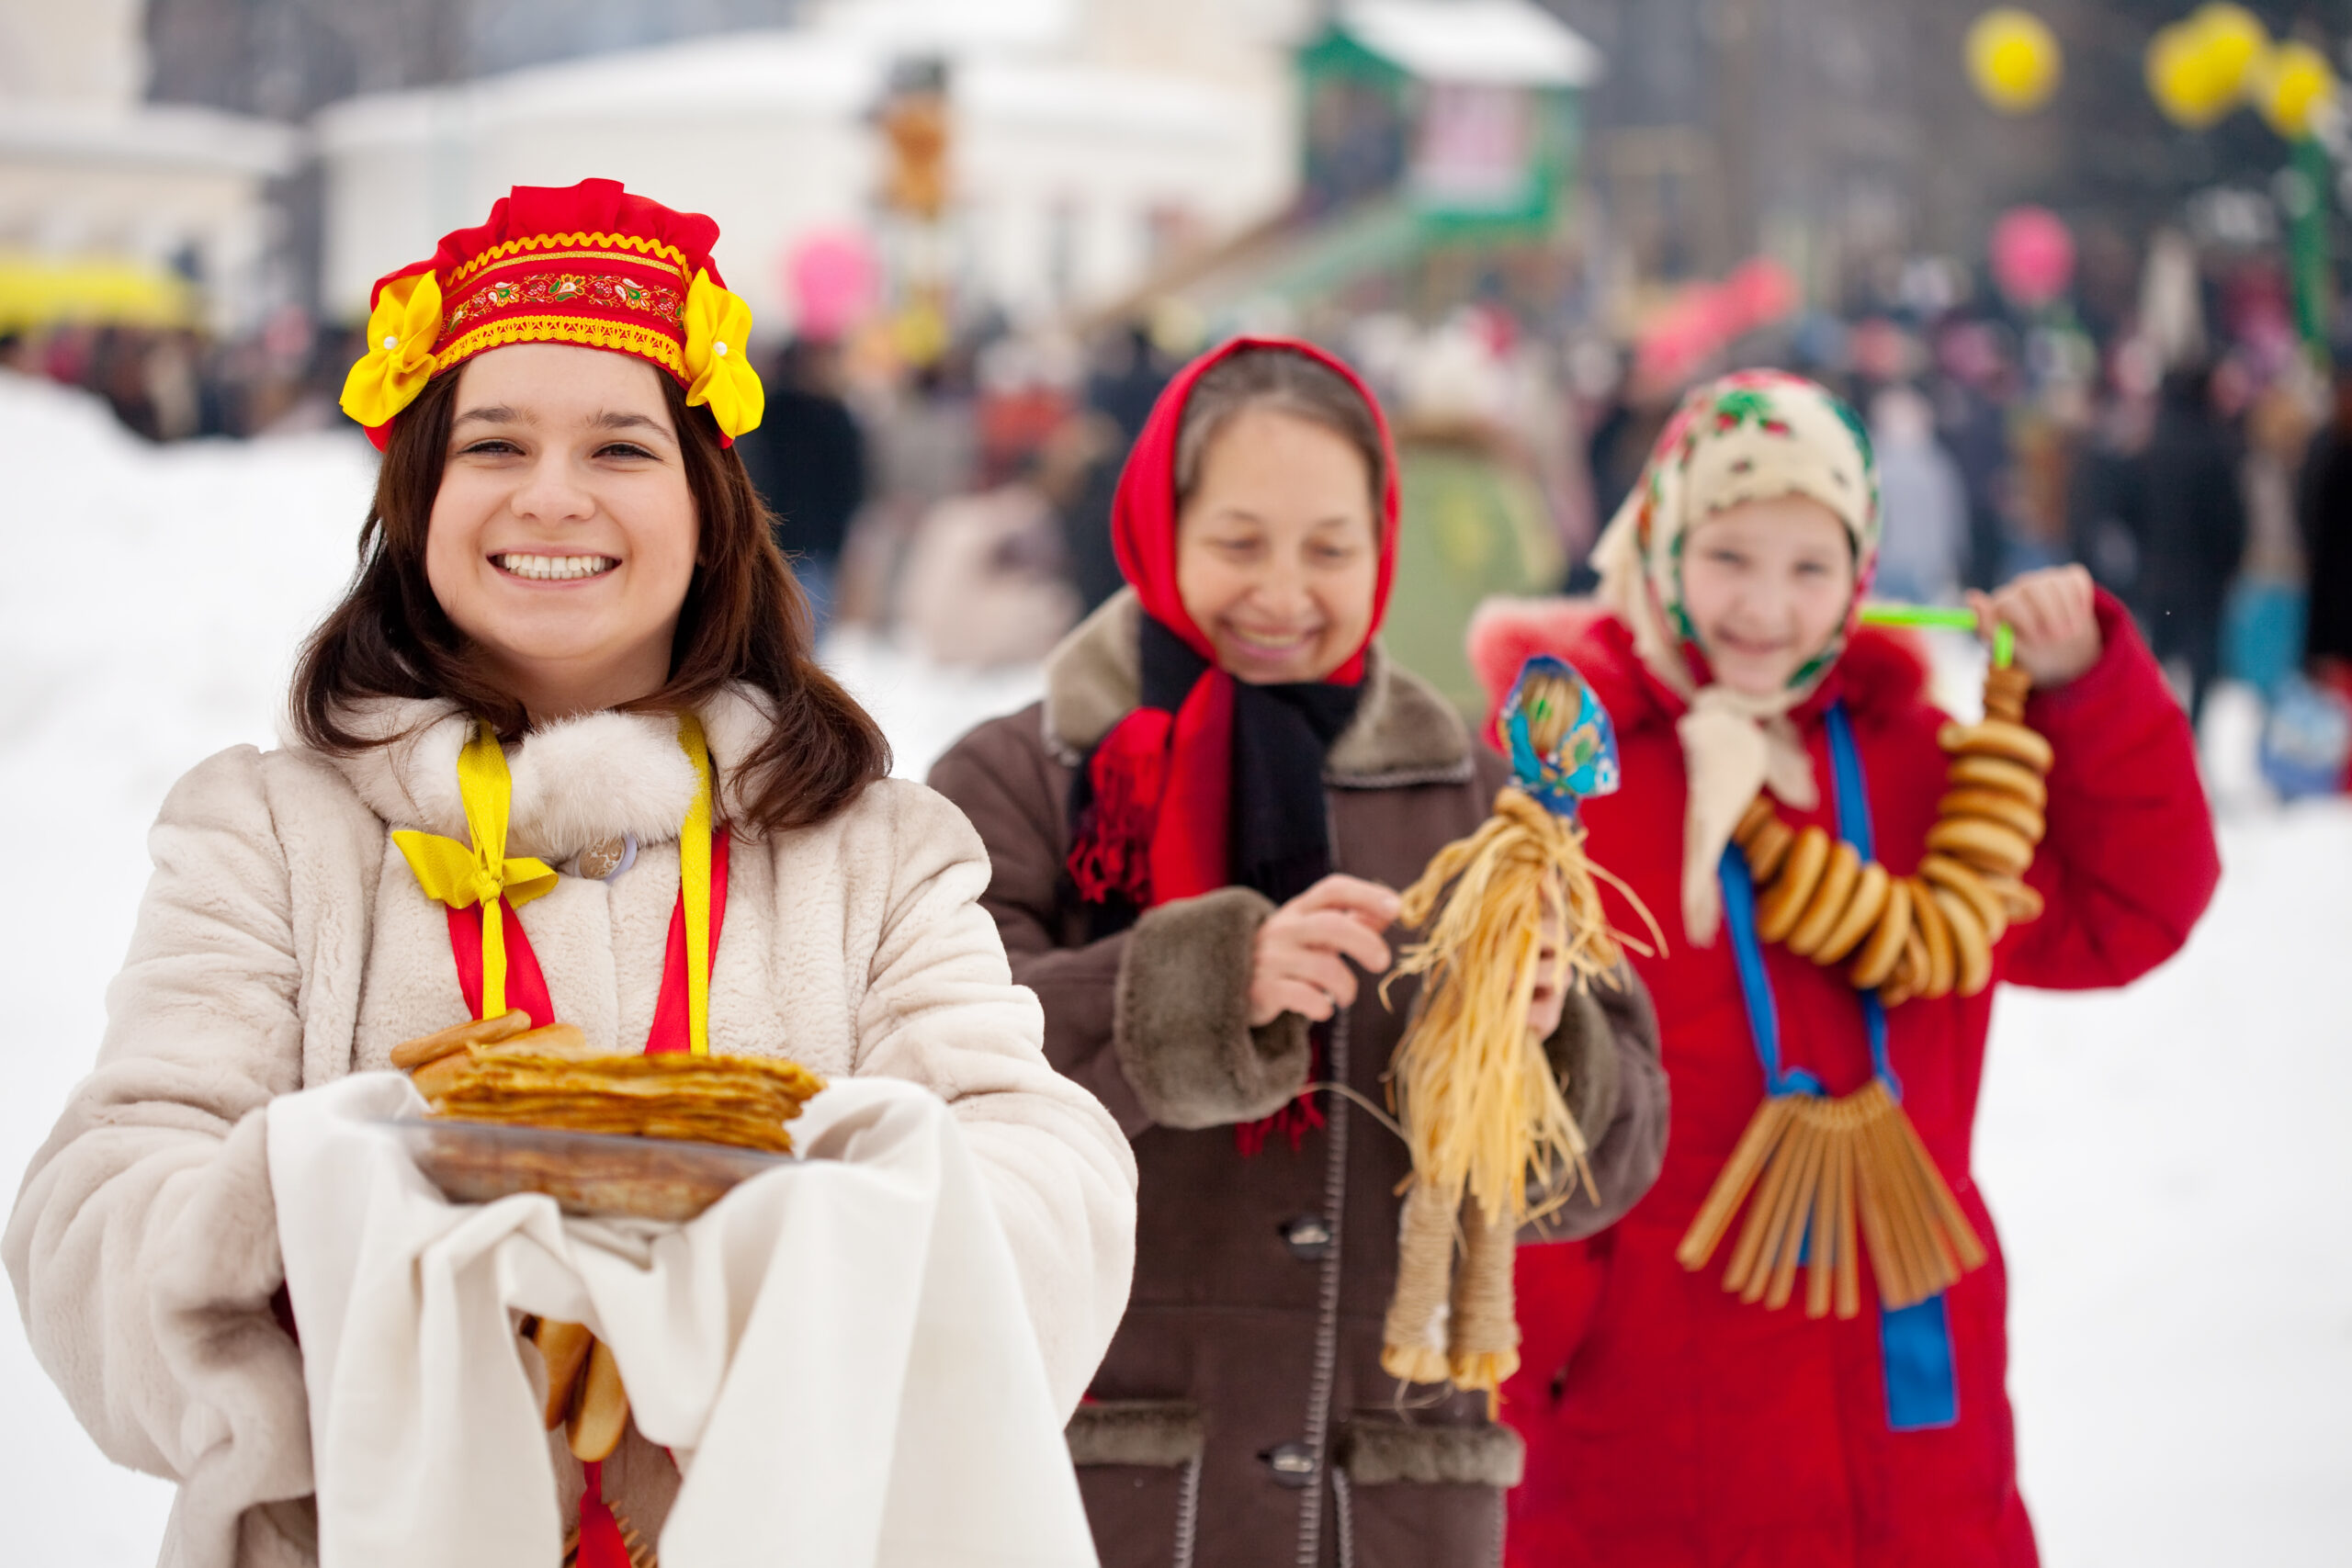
(1670, 1422)
(562, 548)
(1195, 839)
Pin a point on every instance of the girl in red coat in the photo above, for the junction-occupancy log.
(1669, 1422)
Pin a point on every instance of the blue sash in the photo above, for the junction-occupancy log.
(1915, 1343)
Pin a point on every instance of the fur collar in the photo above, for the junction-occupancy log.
(576, 782)
(1882, 670)
(1403, 731)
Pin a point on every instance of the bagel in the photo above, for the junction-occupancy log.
(1995, 805)
(1751, 821)
(555, 1040)
(564, 1347)
(1827, 905)
(1768, 850)
(1777, 911)
(1943, 871)
(430, 1048)
(2006, 690)
(1998, 737)
(602, 1415)
(1994, 773)
(2021, 901)
(1883, 950)
(1862, 911)
(1936, 931)
(1911, 973)
(1988, 845)
(1971, 949)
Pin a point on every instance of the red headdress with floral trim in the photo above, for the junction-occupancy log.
(587, 264)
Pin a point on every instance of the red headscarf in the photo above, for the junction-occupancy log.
(1162, 781)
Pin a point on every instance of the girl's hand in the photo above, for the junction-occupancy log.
(2050, 611)
(1300, 963)
(1549, 1000)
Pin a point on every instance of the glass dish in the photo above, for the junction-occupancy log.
(585, 1173)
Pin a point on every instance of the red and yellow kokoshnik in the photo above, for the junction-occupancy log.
(587, 264)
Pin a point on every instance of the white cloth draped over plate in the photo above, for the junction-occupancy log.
(837, 1351)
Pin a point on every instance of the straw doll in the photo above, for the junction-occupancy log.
(1793, 1350)
(1513, 914)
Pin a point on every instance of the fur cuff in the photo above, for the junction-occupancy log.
(1183, 1016)
(1389, 1453)
(246, 1426)
(1165, 1434)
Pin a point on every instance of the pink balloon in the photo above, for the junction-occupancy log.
(1704, 317)
(835, 280)
(2034, 255)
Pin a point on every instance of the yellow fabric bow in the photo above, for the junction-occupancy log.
(402, 332)
(460, 876)
(718, 336)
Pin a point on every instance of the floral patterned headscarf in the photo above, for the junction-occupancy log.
(1754, 436)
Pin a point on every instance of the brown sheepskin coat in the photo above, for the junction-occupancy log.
(1241, 1417)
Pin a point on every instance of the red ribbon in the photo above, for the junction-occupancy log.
(526, 984)
(601, 1545)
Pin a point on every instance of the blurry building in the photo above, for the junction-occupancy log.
(1088, 139)
(116, 209)
(1440, 153)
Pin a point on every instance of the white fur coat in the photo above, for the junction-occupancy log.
(283, 943)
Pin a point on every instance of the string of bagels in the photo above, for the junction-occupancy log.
(1930, 935)
(1833, 1176)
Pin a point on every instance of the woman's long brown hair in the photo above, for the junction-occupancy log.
(745, 619)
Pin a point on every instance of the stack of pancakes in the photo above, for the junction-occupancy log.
(503, 1070)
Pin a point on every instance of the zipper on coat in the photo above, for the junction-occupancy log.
(1188, 1512)
(1327, 1324)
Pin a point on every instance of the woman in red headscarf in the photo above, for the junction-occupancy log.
(1194, 838)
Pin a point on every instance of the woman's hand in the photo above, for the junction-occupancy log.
(1300, 962)
(2056, 627)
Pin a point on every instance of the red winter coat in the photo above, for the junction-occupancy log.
(1667, 1423)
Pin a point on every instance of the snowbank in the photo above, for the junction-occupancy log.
(2167, 1165)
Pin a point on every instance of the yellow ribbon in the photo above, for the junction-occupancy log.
(401, 330)
(693, 887)
(718, 358)
(458, 877)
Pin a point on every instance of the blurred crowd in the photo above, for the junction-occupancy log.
(2190, 450)
(180, 384)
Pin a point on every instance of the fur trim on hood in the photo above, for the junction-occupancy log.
(577, 780)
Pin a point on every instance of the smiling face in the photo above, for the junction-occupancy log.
(1277, 551)
(563, 535)
(1767, 584)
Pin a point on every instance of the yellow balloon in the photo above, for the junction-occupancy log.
(2293, 82)
(2185, 80)
(2014, 59)
(2232, 44)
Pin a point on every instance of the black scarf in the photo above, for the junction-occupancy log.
(1279, 837)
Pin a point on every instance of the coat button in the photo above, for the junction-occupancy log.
(1308, 1238)
(1293, 1463)
(604, 861)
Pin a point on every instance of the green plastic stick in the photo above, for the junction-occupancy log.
(1893, 614)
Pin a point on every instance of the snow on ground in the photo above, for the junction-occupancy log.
(2168, 1164)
